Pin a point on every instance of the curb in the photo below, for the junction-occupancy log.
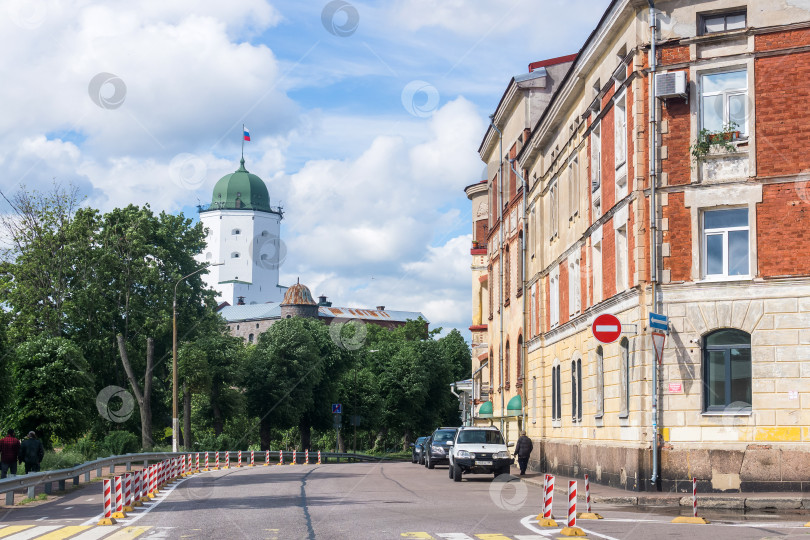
(724, 502)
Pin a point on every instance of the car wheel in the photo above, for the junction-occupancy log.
(456, 473)
(450, 472)
(430, 463)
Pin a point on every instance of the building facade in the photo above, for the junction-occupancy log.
(666, 175)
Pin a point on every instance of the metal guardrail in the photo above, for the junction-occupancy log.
(47, 478)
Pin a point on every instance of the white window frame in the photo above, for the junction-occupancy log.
(620, 137)
(622, 282)
(596, 268)
(554, 209)
(725, 16)
(704, 250)
(574, 289)
(573, 189)
(554, 298)
(726, 93)
(596, 169)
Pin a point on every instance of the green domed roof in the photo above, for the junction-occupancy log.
(242, 191)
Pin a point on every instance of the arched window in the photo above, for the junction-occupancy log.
(490, 286)
(519, 362)
(208, 256)
(236, 232)
(500, 370)
(491, 361)
(600, 382)
(576, 389)
(727, 371)
(265, 233)
(624, 378)
(519, 284)
(506, 367)
(556, 399)
(507, 274)
(250, 338)
(235, 255)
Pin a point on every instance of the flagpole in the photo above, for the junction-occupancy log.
(243, 141)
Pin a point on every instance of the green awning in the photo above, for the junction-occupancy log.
(514, 407)
(485, 410)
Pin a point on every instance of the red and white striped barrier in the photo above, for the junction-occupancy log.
(136, 489)
(127, 492)
(183, 465)
(216, 465)
(694, 517)
(106, 489)
(239, 463)
(197, 462)
(319, 457)
(306, 457)
(119, 498)
(145, 483)
(572, 503)
(267, 458)
(206, 461)
(588, 513)
(280, 457)
(545, 519)
(294, 459)
(252, 459)
(227, 460)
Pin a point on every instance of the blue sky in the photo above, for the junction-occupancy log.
(365, 120)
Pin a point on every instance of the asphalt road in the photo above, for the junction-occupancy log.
(361, 501)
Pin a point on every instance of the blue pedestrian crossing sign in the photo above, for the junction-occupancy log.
(659, 322)
(337, 408)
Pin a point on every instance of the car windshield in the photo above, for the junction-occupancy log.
(420, 439)
(483, 436)
(442, 436)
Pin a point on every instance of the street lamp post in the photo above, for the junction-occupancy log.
(175, 421)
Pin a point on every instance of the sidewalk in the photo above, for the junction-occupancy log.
(733, 501)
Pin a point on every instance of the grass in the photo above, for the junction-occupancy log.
(40, 497)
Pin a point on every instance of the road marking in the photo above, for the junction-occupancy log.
(95, 533)
(33, 532)
(454, 536)
(492, 537)
(128, 532)
(530, 523)
(423, 535)
(68, 508)
(140, 512)
(43, 518)
(11, 529)
(64, 532)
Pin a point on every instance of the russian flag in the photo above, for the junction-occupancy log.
(247, 133)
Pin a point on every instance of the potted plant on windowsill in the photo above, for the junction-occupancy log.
(720, 140)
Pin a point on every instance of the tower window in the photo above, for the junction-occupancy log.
(236, 231)
(234, 255)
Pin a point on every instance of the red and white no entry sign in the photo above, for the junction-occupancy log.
(606, 328)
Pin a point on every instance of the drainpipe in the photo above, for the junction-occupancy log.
(525, 292)
(653, 228)
(500, 264)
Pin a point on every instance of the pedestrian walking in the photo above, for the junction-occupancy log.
(523, 449)
(9, 452)
(31, 452)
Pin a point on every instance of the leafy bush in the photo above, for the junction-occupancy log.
(87, 447)
(121, 442)
(61, 460)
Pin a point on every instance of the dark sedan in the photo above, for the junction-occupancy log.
(437, 450)
(417, 450)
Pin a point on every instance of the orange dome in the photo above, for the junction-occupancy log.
(298, 295)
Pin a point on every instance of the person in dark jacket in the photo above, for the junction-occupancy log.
(31, 452)
(523, 449)
(9, 452)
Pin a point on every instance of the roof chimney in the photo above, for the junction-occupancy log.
(380, 308)
(322, 301)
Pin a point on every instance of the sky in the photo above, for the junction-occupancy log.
(365, 120)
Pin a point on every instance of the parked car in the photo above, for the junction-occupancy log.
(437, 446)
(479, 450)
(417, 450)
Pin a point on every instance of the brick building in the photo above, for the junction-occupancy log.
(248, 321)
(719, 251)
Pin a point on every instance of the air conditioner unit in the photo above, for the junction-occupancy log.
(670, 85)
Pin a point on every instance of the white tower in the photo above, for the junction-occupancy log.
(243, 233)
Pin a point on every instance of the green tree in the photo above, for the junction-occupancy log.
(284, 371)
(53, 393)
